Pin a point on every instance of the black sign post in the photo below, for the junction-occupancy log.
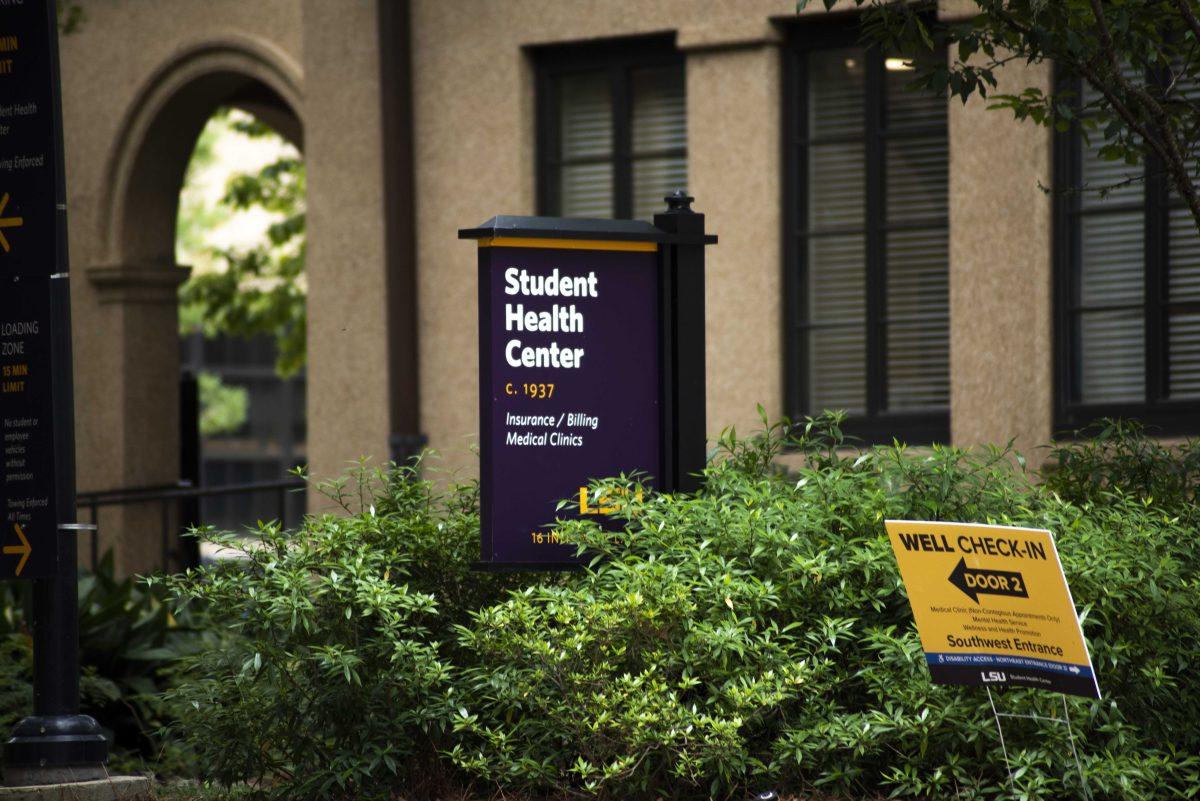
(591, 337)
(37, 427)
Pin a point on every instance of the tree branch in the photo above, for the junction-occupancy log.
(1189, 16)
(1153, 123)
(1109, 48)
(1165, 145)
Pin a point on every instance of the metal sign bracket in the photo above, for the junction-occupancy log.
(1065, 720)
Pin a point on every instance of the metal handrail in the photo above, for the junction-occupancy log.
(86, 498)
(168, 494)
(182, 491)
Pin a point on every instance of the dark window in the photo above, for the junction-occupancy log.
(612, 128)
(866, 253)
(1128, 254)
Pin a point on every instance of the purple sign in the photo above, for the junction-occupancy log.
(569, 384)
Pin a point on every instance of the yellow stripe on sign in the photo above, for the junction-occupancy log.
(566, 244)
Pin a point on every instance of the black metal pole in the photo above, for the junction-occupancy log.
(682, 285)
(57, 744)
(189, 465)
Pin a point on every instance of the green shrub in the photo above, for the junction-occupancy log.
(332, 679)
(758, 632)
(753, 634)
(128, 641)
(16, 679)
(1117, 457)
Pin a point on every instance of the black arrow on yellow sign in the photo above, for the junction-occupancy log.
(24, 549)
(976, 581)
(7, 222)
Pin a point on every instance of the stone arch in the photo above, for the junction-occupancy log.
(152, 152)
(134, 280)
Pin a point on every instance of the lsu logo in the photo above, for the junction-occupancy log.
(993, 676)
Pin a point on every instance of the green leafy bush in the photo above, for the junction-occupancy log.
(758, 632)
(753, 634)
(1112, 458)
(128, 642)
(333, 680)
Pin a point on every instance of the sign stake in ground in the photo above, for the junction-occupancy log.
(591, 353)
(1064, 721)
(37, 427)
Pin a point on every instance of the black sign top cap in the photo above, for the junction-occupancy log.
(510, 225)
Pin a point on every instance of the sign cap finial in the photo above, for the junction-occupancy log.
(679, 201)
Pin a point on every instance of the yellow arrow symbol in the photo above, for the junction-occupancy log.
(7, 222)
(24, 548)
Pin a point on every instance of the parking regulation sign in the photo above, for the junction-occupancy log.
(36, 442)
(992, 606)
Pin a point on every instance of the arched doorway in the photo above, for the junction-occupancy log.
(136, 284)
(242, 232)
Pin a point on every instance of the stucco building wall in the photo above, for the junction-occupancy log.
(347, 302)
(474, 138)
(139, 81)
(122, 62)
(474, 118)
(140, 73)
(1001, 276)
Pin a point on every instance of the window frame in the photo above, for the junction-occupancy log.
(877, 425)
(1167, 417)
(619, 58)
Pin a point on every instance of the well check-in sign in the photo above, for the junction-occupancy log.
(992, 606)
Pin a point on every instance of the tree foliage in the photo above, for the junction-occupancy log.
(223, 408)
(259, 290)
(1139, 56)
(70, 16)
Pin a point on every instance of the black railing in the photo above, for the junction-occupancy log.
(183, 498)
